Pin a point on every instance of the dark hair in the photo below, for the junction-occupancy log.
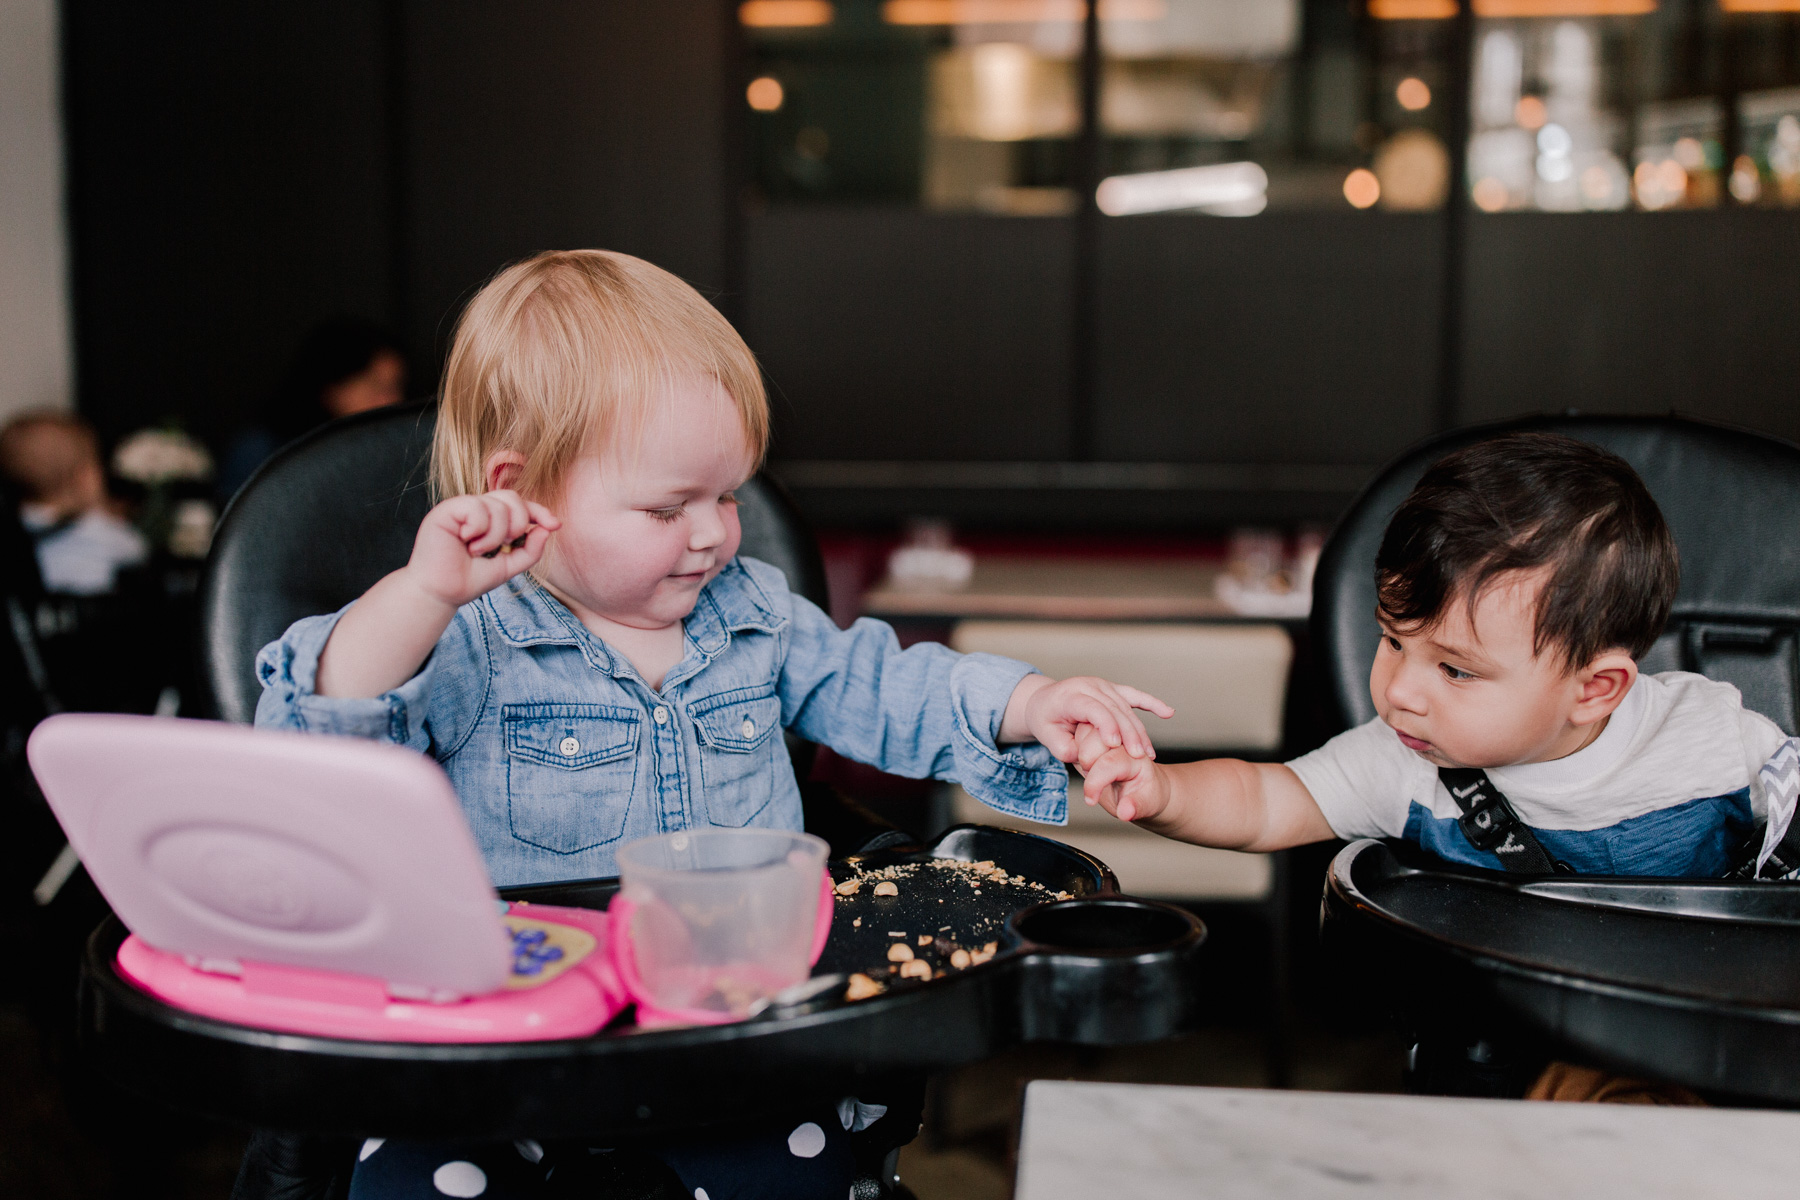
(332, 351)
(1529, 500)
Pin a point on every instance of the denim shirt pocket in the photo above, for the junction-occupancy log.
(737, 746)
(570, 769)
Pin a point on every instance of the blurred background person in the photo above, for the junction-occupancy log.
(345, 365)
(51, 461)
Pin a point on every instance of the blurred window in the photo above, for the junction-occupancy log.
(1231, 107)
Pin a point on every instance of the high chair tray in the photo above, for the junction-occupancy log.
(1097, 968)
(1691, 981)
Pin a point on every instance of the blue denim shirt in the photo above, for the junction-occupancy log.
(561, 752)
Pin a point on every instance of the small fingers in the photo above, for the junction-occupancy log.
(518, 516)
(543, 516)
(1144, 700)
(1127, 730)
(1089, 709)
(473, 523)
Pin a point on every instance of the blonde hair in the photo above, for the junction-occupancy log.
(570, 349)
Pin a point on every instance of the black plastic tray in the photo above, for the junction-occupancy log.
(1099, 968)
(1693, 981)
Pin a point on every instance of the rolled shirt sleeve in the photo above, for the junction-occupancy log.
(925, 711)
(288, 670)
(1364, 781)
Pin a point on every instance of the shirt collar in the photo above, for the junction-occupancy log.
(528, 615)
(1592, 760)
(732, 602)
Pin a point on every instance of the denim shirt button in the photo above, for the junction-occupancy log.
(570, 747)
(749, 728)
(661, 715)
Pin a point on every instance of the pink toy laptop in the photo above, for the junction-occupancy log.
(312, 884)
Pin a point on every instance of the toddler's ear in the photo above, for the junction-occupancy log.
(503, 470)
(1603, 684)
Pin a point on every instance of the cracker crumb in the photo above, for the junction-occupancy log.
(862, 987)
(887, 887)
(918, 968)
(849, 887)
(959, 958)
(925, 939)
(900, 952)
(856, 924)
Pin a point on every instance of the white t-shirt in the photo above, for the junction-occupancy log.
(83, 557)
(1670, 787)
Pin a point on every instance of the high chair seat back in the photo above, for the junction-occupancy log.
(1732, 501)
(336, 510)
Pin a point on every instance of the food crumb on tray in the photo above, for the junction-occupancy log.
(979, 896)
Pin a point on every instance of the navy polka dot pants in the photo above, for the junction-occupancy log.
(798, 1160)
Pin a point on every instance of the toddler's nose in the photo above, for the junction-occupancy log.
(706, 531)
(1404, 693)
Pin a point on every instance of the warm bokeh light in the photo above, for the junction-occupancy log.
(1361, 188)
(1563, 8)
(1659, 184)
(1015, 12)
(765, 94)
(1746, 180)
(1412, 10)
(785, 14)
(1764, 6)
(1413, 94)
(1531, 113)
(1489, 194)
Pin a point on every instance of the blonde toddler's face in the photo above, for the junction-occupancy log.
(647, 524)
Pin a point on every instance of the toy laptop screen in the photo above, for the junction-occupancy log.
(224, 844)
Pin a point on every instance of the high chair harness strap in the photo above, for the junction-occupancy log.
(1490, 823)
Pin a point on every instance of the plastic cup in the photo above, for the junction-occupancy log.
(711, 923)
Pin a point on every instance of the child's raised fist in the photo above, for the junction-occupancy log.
(469, 545)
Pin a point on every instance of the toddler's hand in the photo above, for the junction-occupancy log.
(1129, 788)
(1056, 714)
(470, 545)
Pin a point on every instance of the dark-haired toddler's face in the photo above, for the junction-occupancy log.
(1475, 693)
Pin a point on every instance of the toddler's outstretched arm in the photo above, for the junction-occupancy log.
(1221, 802)
(467, 546)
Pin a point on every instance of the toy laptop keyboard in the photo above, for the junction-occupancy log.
(312, 885)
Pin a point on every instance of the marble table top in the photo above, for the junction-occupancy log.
(1084, 1141)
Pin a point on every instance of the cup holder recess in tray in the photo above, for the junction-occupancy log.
(1106, 925)
(1106, 970)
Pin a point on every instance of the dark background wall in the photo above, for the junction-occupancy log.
(239, 172)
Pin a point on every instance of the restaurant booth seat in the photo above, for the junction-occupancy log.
(1732, 502)
(327, 517)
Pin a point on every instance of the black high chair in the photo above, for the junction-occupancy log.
(1692, 982)
(318, 524)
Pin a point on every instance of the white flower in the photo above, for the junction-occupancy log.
(191, 534)
(152, 456)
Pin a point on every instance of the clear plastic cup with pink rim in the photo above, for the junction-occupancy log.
(709, 924)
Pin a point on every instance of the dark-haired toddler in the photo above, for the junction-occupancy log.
(1518, 586)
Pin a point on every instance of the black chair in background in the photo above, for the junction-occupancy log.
(1732, 501)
